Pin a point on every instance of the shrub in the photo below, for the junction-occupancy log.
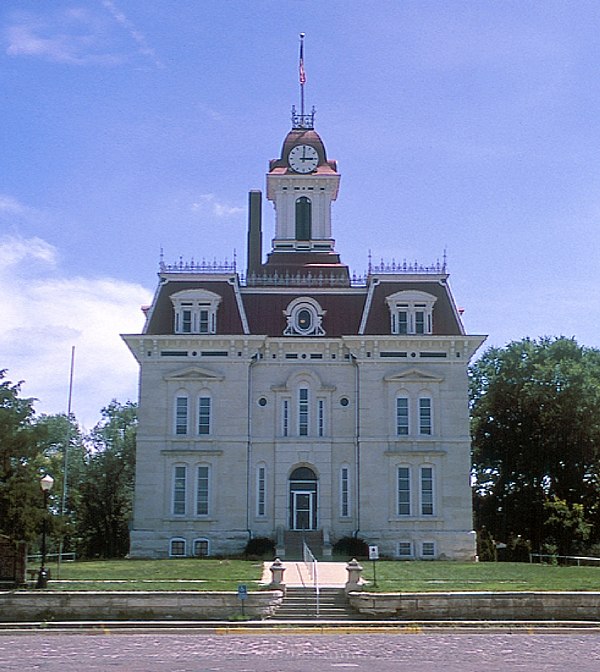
(352, 547)
(260, 547)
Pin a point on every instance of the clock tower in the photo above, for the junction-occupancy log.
(302, 184)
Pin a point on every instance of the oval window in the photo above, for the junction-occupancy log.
(304, 319)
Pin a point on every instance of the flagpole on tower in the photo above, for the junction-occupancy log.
(302, 74)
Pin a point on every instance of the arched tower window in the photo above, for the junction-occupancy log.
(303, 218)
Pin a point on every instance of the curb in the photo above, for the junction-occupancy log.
(305, 627)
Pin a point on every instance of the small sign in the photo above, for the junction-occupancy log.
(373, 553)
(243, 591)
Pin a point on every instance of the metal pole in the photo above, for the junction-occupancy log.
(302, 78)
(42, 581)
(63, 504)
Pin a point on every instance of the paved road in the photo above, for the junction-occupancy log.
(201, 652)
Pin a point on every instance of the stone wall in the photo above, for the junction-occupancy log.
(580, 606)
(13, 561)
(134, 605)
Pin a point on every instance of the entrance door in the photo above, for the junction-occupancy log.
(302, 510)
(303, 499)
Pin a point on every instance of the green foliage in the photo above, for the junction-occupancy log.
(60, 433)
(22, 463)
(260, 547)
(106, 490)
(486, 547)
(351, 547)
(536, 435)
(565, 526)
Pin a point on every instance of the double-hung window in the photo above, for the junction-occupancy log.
(402, 416)
(203, 491)
(261, 490)
(404, 491)
(345, 492)
(411, 312)
(195, 311)
(181, 415)
(321, 417)
(204, 419)
(303, 411)
(425, 416)
(427, 491)
(285, 417)
(179, 489)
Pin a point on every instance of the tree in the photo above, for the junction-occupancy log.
(22, 463)
(63, 433)
(535, 409)
(565, 526)
(107, 488)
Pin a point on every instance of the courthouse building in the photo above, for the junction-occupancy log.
(297, 400)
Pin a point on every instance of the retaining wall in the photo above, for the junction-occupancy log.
(569, 606)
(41, 605)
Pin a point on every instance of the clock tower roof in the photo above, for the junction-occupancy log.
(303, 136)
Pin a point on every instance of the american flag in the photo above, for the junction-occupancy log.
(302, 73)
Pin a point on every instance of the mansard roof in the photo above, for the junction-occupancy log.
(160, 317)
(446, 321)
(344, 308)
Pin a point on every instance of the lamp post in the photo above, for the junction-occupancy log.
(46, 483)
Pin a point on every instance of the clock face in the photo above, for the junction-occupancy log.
(303, 159)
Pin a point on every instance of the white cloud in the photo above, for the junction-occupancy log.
(44, 313)
(209, 203)
(76, 36)
(138, 37)
(35, 38)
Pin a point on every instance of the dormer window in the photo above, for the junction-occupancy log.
(195, 311)
(304, 317)
(411, 312)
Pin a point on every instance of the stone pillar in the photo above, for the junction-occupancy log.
(354, 570)
(277, 570)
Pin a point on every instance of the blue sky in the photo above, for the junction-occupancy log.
(134, 125)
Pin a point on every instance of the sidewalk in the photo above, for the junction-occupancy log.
(331, 574)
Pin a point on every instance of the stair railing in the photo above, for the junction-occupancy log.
(311, 564)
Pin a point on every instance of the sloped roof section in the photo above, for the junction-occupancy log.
(265, 311)
(446, 321)
(161, 317)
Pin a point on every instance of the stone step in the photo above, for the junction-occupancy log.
(301, 604)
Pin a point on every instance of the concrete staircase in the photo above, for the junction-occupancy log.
(293, 543)
(300, 604)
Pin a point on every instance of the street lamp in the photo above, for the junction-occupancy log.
(46, 483)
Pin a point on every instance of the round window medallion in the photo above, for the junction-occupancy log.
(262, 401)
(344, 401)
(304, 319)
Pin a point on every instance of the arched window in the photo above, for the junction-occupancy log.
(303, 218)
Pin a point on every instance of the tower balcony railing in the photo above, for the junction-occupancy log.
(199, 267)
(304, 121)
(313, 280)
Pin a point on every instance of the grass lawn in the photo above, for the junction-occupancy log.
(481, 576)
(213, 574)
(180, 574)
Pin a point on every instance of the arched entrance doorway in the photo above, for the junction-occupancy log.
(303, 499)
